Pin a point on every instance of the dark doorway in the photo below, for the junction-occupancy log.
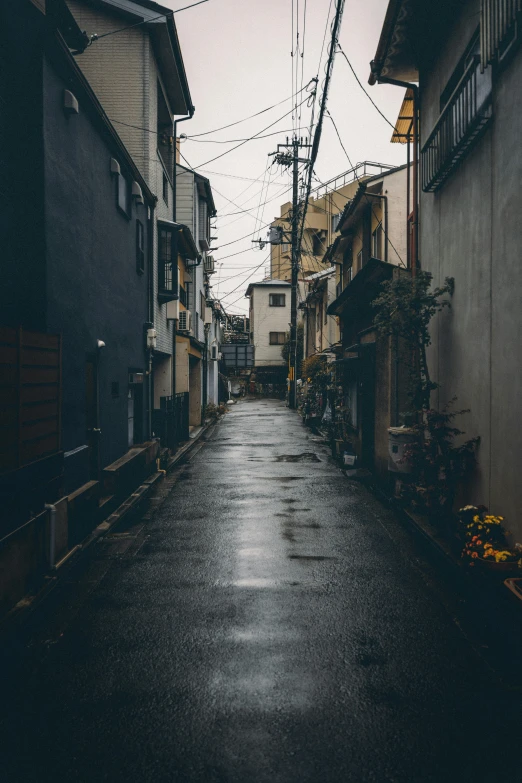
(367, 397)
(135, 408)
(92, 416)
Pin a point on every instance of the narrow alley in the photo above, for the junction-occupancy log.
(271, 622)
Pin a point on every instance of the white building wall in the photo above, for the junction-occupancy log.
(269, 319)
(394, 187)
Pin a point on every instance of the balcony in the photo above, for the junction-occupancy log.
(463, 119)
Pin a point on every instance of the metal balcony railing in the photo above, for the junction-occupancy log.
(465, 116)
(498, 28)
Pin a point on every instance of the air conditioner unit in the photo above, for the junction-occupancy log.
(184, 321)
(207, 316)
(172, 310)
(209, 265)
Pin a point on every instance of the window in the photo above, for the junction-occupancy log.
(359, 260)
(140, 248)
(335, 222)
(377, 241)
(317, 245)
(276, 300)
(277, 338)
(123, 195)
(165, 188)
(167, 265)
(285, 247)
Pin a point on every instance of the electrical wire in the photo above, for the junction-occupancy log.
(368, 198)
(251, 116)
(251, 138)
(233, 141)
(94, 38)
(363, 88)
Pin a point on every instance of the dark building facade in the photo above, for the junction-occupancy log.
(75, 258)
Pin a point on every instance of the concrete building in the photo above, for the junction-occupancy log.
(321, 331)
(371, 248)
(83, 268)
(269, 315)
(325, 206)
(469, 71)
(139, 78)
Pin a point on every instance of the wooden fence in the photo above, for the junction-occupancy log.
(30, 396)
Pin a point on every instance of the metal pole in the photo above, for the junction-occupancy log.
(292, 402)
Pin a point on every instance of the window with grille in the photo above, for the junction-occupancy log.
(167, 265)
(277, 300)
(277, 338)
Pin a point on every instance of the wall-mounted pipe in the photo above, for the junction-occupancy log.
(52, 533)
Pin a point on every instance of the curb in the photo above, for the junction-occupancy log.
(24, 608)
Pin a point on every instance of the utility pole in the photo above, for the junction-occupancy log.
(291, 158)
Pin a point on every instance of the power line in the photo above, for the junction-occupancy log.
(251, 116)
(247, 140)
(368, 197)
(232, 141)
(363, 88)
(95, 37)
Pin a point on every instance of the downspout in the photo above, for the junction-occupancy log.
(51, 508)
(150, 313)
(415, 89)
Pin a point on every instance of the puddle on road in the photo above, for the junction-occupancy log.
(306, 456)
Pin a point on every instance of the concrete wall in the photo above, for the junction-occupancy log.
(471, 230)
(268, 319)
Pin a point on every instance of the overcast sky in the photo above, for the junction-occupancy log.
(238, 62)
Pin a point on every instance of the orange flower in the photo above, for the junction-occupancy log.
(474, 554)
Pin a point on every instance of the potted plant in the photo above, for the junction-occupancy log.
(485, 540)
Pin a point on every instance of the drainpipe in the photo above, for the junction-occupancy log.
(52, 532)
(150, 307)
(415, 90)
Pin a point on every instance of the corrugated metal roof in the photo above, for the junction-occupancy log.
(404, 120)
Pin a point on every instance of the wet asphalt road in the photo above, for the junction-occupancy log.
(270, 622)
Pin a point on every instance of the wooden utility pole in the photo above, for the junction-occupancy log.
(291, 157)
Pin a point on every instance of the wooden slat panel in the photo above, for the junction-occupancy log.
(38, 340)
(33, 430)
(36, 412)
(36, 449)
(39, 375)
(31, 356)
